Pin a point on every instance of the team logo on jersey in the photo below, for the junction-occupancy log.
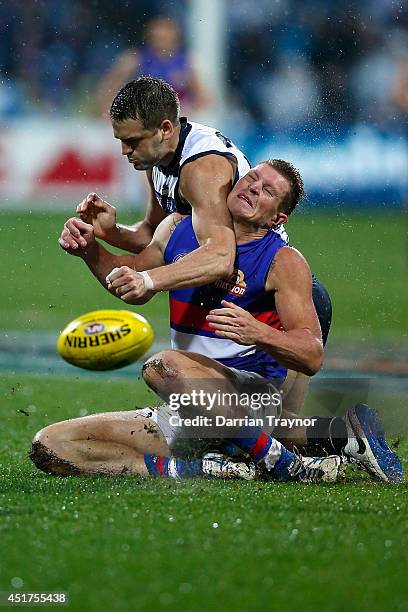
(166, 201)
(179, 256)
(170, 206)
(235, 284)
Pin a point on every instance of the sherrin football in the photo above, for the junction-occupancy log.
(105, 339)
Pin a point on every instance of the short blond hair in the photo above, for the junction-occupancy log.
(296, 192)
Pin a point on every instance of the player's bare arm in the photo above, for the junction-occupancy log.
(133, 285)
(205, 184)
(300, 346)
(117, 273)
(102, 216)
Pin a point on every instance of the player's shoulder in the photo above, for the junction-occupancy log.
(202, 139)
(207, 151)
(288, 266)
(199, 139)
(289, 256)
(170, 222)
(206, 167)
(166, 227)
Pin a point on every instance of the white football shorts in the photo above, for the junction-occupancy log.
(179, 438)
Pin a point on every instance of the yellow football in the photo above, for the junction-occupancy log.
(105, 339)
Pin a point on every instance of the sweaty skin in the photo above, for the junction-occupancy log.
(101, 443)
(204, 183)
(254, 203)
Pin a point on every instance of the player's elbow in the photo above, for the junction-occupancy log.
(314, 361)
(223, 255)
(312, 367)
(225, 267)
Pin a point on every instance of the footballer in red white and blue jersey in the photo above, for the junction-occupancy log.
(190, 306)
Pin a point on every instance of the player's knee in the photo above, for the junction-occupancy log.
(43, 453)
(161, 368)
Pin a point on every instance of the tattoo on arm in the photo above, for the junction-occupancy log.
(270, 284)
(175, 221)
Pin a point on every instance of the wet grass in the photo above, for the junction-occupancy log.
(361, 257)
(134, 544)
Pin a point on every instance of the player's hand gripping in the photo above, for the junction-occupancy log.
(235, 323)
(98, 213)
(128, 284)
(77, 237)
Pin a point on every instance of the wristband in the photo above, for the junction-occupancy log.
(147, 281)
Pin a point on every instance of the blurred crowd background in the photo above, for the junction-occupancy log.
(323, 82)
(287, 61)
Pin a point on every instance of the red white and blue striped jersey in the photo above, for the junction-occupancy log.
(246, 288)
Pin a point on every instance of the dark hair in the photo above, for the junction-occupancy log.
(147, 99)
(292, 174)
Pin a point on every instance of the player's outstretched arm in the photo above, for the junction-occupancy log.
(77, 238)
(205, 183)
(299, 347)
(102, 216)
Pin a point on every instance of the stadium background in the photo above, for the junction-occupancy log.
(308, 82)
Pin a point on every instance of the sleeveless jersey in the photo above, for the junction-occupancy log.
(246, 288)
(195, 141)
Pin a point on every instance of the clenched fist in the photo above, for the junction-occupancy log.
(77, 237)
(129, 285)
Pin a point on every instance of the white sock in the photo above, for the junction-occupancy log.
(273, 454)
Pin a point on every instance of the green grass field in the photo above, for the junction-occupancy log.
(134, 544)
(360, 257)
